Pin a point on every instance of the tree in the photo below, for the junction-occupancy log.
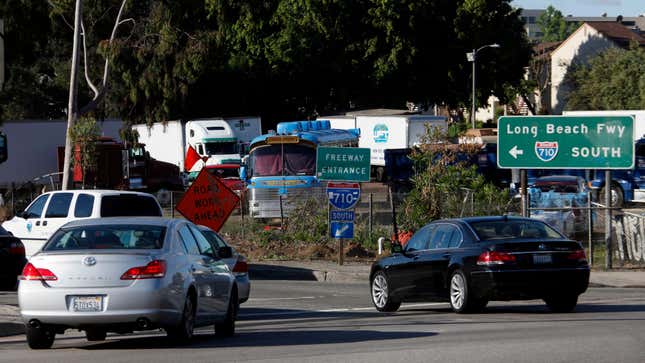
(613, 80)
(446, 187)
(283, 59)
(84, 135)
(553, 25)
(31, 88)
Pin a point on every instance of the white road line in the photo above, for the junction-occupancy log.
(282, 298)
(339, 310)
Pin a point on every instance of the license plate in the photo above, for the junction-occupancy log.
(87, 303)
(542, 259)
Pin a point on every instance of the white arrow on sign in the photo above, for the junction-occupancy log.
(515, 152)
(341, 230)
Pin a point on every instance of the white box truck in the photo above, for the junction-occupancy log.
(386, 129)
(219, 140)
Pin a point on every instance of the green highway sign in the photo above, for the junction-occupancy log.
(565, 142)
(343, 164)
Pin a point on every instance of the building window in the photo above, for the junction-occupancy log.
(531, 20)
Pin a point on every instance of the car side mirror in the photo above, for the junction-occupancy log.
(396, 247)
(225, 252)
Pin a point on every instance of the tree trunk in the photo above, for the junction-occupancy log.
(72, 104)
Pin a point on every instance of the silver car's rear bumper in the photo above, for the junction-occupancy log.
(121, 305)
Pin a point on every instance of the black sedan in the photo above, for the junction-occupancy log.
(12, 260)
(470, 261)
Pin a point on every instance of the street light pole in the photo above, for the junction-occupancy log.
(472, 110)
(472, 57)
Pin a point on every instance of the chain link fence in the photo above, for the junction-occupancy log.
(377, 206)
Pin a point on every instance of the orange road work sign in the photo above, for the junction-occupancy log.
(208, 201)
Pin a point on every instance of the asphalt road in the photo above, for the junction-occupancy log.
(309, 321)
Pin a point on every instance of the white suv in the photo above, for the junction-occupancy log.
(51, 210)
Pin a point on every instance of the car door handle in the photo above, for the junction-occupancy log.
(44, 223)
(446, 255)
(38, 223)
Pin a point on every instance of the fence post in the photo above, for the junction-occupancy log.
(172, 203)
(13, 200)
(590, 227)
(242, 211)
(371, 221)
(281, 215)
(393, 207)
(608, 253)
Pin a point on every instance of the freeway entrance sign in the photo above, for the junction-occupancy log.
(343, 164)
(566, 142)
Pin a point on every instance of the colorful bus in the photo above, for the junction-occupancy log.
(280, 170)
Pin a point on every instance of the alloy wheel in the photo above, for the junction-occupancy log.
(457, 291)
(379, 291)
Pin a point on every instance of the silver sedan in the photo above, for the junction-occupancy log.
(126, 274)
(233, 259)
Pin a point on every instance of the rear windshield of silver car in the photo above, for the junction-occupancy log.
(126, 205)
(107, 237)
(510, 229)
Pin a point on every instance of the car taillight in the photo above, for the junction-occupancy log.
(495, 258)
(241, 267)
(154, 270)
(17, 248)
(578, 255)
(31, 272)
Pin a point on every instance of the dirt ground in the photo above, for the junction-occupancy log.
(280, 250)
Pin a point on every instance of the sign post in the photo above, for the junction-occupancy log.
(568, 142)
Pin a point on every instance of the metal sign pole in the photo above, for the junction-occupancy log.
(590, 227)
(608, 253)
(340, 250)
(524, 194)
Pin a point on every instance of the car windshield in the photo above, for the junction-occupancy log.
(3, 232)
(220, 148)
(513, 229)
(297, 160)
(126, 205)
(107, 237)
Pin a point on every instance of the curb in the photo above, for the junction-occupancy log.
(282, 272)
(8, 329)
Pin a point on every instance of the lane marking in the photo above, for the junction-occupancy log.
(282, 298)
(339, 310)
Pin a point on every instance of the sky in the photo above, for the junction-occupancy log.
(587, 7)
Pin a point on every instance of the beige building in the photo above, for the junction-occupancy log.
(590, 39)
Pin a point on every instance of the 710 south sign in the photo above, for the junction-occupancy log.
(566, 142)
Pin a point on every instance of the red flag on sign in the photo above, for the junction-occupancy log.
(191, 158)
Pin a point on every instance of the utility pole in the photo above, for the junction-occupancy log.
(72, 107)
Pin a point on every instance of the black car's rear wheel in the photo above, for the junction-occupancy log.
(41, 337)
(461, 300)
(381, 295)
(561, 303)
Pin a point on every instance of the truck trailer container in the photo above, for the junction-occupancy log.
(217, 141)
(386, 129)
